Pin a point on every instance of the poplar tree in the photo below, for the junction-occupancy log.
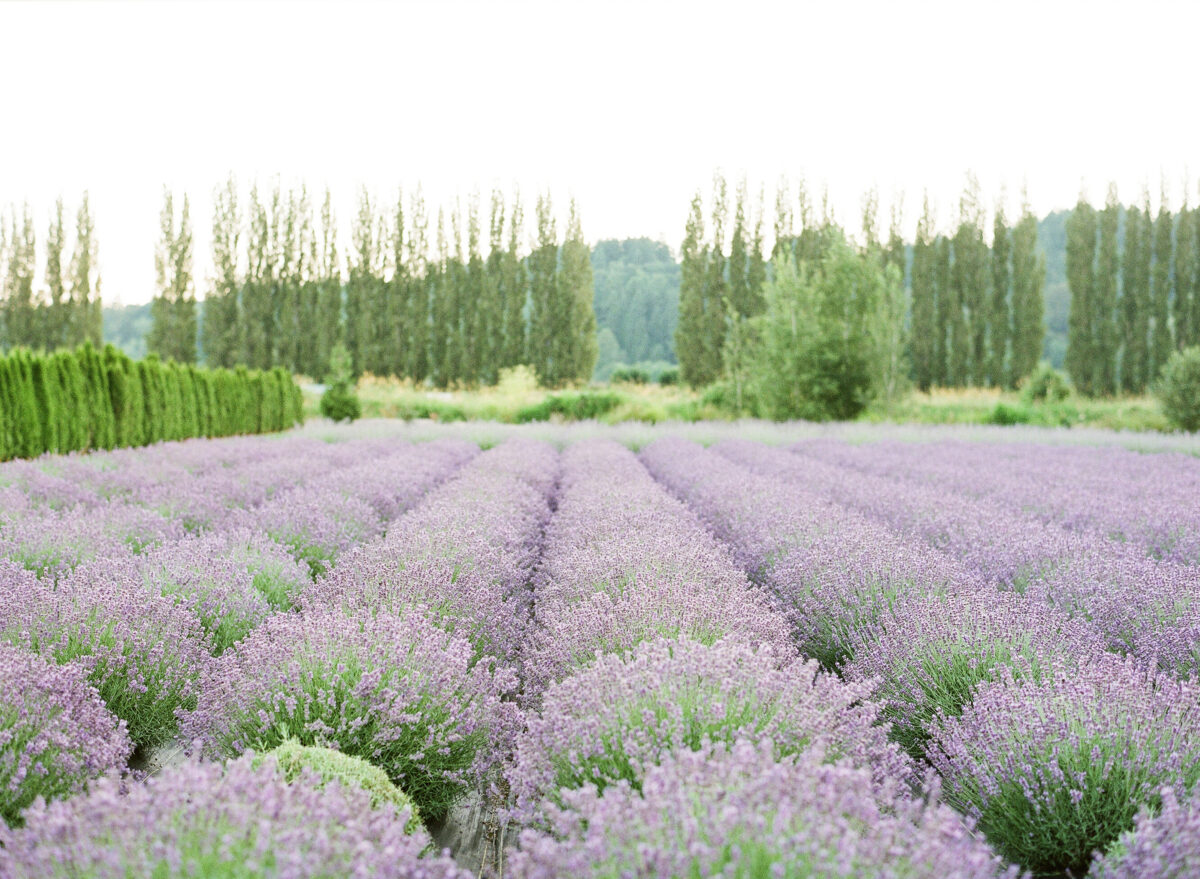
(895, 253)
(1135, 295)
(924, 302)
(20, 318)
(362, 288)
(1029, 280)
(258, 293)
(1162, 343)
(1104, 327)
(785, 233)
(739, 257)
(947, 305)
(1185, 275)
(543, 269)
(439, 340)
(221, 331)
(715, 287)
(173, 332)
(87, 316)
(693, 271)
(475, 308)
(492, 341)
(515, 290)
(577, 289)
(327, 273)
(756, 270)
(400, 290)
(57, 314)
(292, 340)
(971, 280)
(1000, 316)
(1081, 278)
(455, 290)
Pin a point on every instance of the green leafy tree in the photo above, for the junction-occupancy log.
(221, 331)
(57, 314)
(327, 271)
(716, 286)
(1029, 279)
(20, 318)
(543, 271)
(514, 290)
(1185, 275)
(946, 303)
(971, 279)
(1135, 300)
(924, 302)
(1104, 315)
(87, 315)
(1179, 389)
(693, 271)
(1000, 316)
(1162, 342)
(577, 287)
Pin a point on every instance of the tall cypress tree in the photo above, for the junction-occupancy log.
(739, 257)
(173, 332)
(476, 316)
(1000, 317)
(439, 339)
(946, 304)
(689, 349)
(577, 288)
(1029, 279)
(1081, 278)
(1135, 299)
(515, 286)
(20, 318)
(328, 280)
(491, 341)
(221, 331)
(1162, 343)
(715, 287)
(400, 289)
(363, 294)
(895, 253)
(972, 282)
(257, 312)
(1104, 327)
(924, 302)
(756, 269)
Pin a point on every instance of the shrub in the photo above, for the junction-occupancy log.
(1162, 845)
(929, 655)
(340, 402)
(630, 375)
(394, 690)
(238, 821)
(619, 716)
(738, 811)
(296, 761)
(55, 733)
(1179, 389)
(1044, 385)
(669, 376)
(570, 406)
(1004, 415)
(141, 651)
(1055, 769)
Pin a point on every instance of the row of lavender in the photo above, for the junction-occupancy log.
(1045, 670)
(674, 730)
(215, 624)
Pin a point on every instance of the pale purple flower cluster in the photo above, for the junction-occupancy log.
(1056, 768)
(621, 715)
(1162, 845)
(832, 570)
(55, 732)
(204, 819)
(463, 557)
(395, 690)
(141, 650)
(930, 655)
(738, 811)
(625, 562)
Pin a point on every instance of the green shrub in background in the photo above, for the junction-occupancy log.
(570, 405)
(669, 376)
(1179, 389)
(1044, 385)
(72, 401)
(340, 402)
(630, 375)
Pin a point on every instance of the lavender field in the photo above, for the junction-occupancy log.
(736, 651)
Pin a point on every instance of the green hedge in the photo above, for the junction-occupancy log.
(70, 401)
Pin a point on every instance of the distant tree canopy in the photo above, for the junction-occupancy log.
(637, 303)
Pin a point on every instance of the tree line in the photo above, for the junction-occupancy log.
(1134, 277)
(85, 398)
(65, 310)
(974, 316)
(450, 301)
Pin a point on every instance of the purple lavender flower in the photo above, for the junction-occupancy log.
(142, 651)
(1162, 845)
(395, 690)
(619, 716)
(205, 819)
(1056, 768)
(55, 732)
(739, 811)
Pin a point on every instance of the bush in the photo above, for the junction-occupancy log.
(239, 821)
(669, 376)
(55, 733)
(1179, 389)
(1162, 845)
(295, 760)
(1058, 768)
(1044, 385)
(630, 375)
(620, 716)
(396, 691)
(340, 402)
(570, 406)
(739, 812)
(1004, 414)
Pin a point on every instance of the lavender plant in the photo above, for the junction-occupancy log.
(738, 811)
(238, 821)
(143, 652)
(1057, 768)
(929, 657)
(1162, 845)
(397, 691)
(56, 735)
(613, 720)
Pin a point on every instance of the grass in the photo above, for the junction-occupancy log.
(518, 399)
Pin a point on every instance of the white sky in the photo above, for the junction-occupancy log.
(628, 106)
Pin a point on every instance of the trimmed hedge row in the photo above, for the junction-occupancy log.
(71, 401)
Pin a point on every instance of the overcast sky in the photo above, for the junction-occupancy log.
(627, 106)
